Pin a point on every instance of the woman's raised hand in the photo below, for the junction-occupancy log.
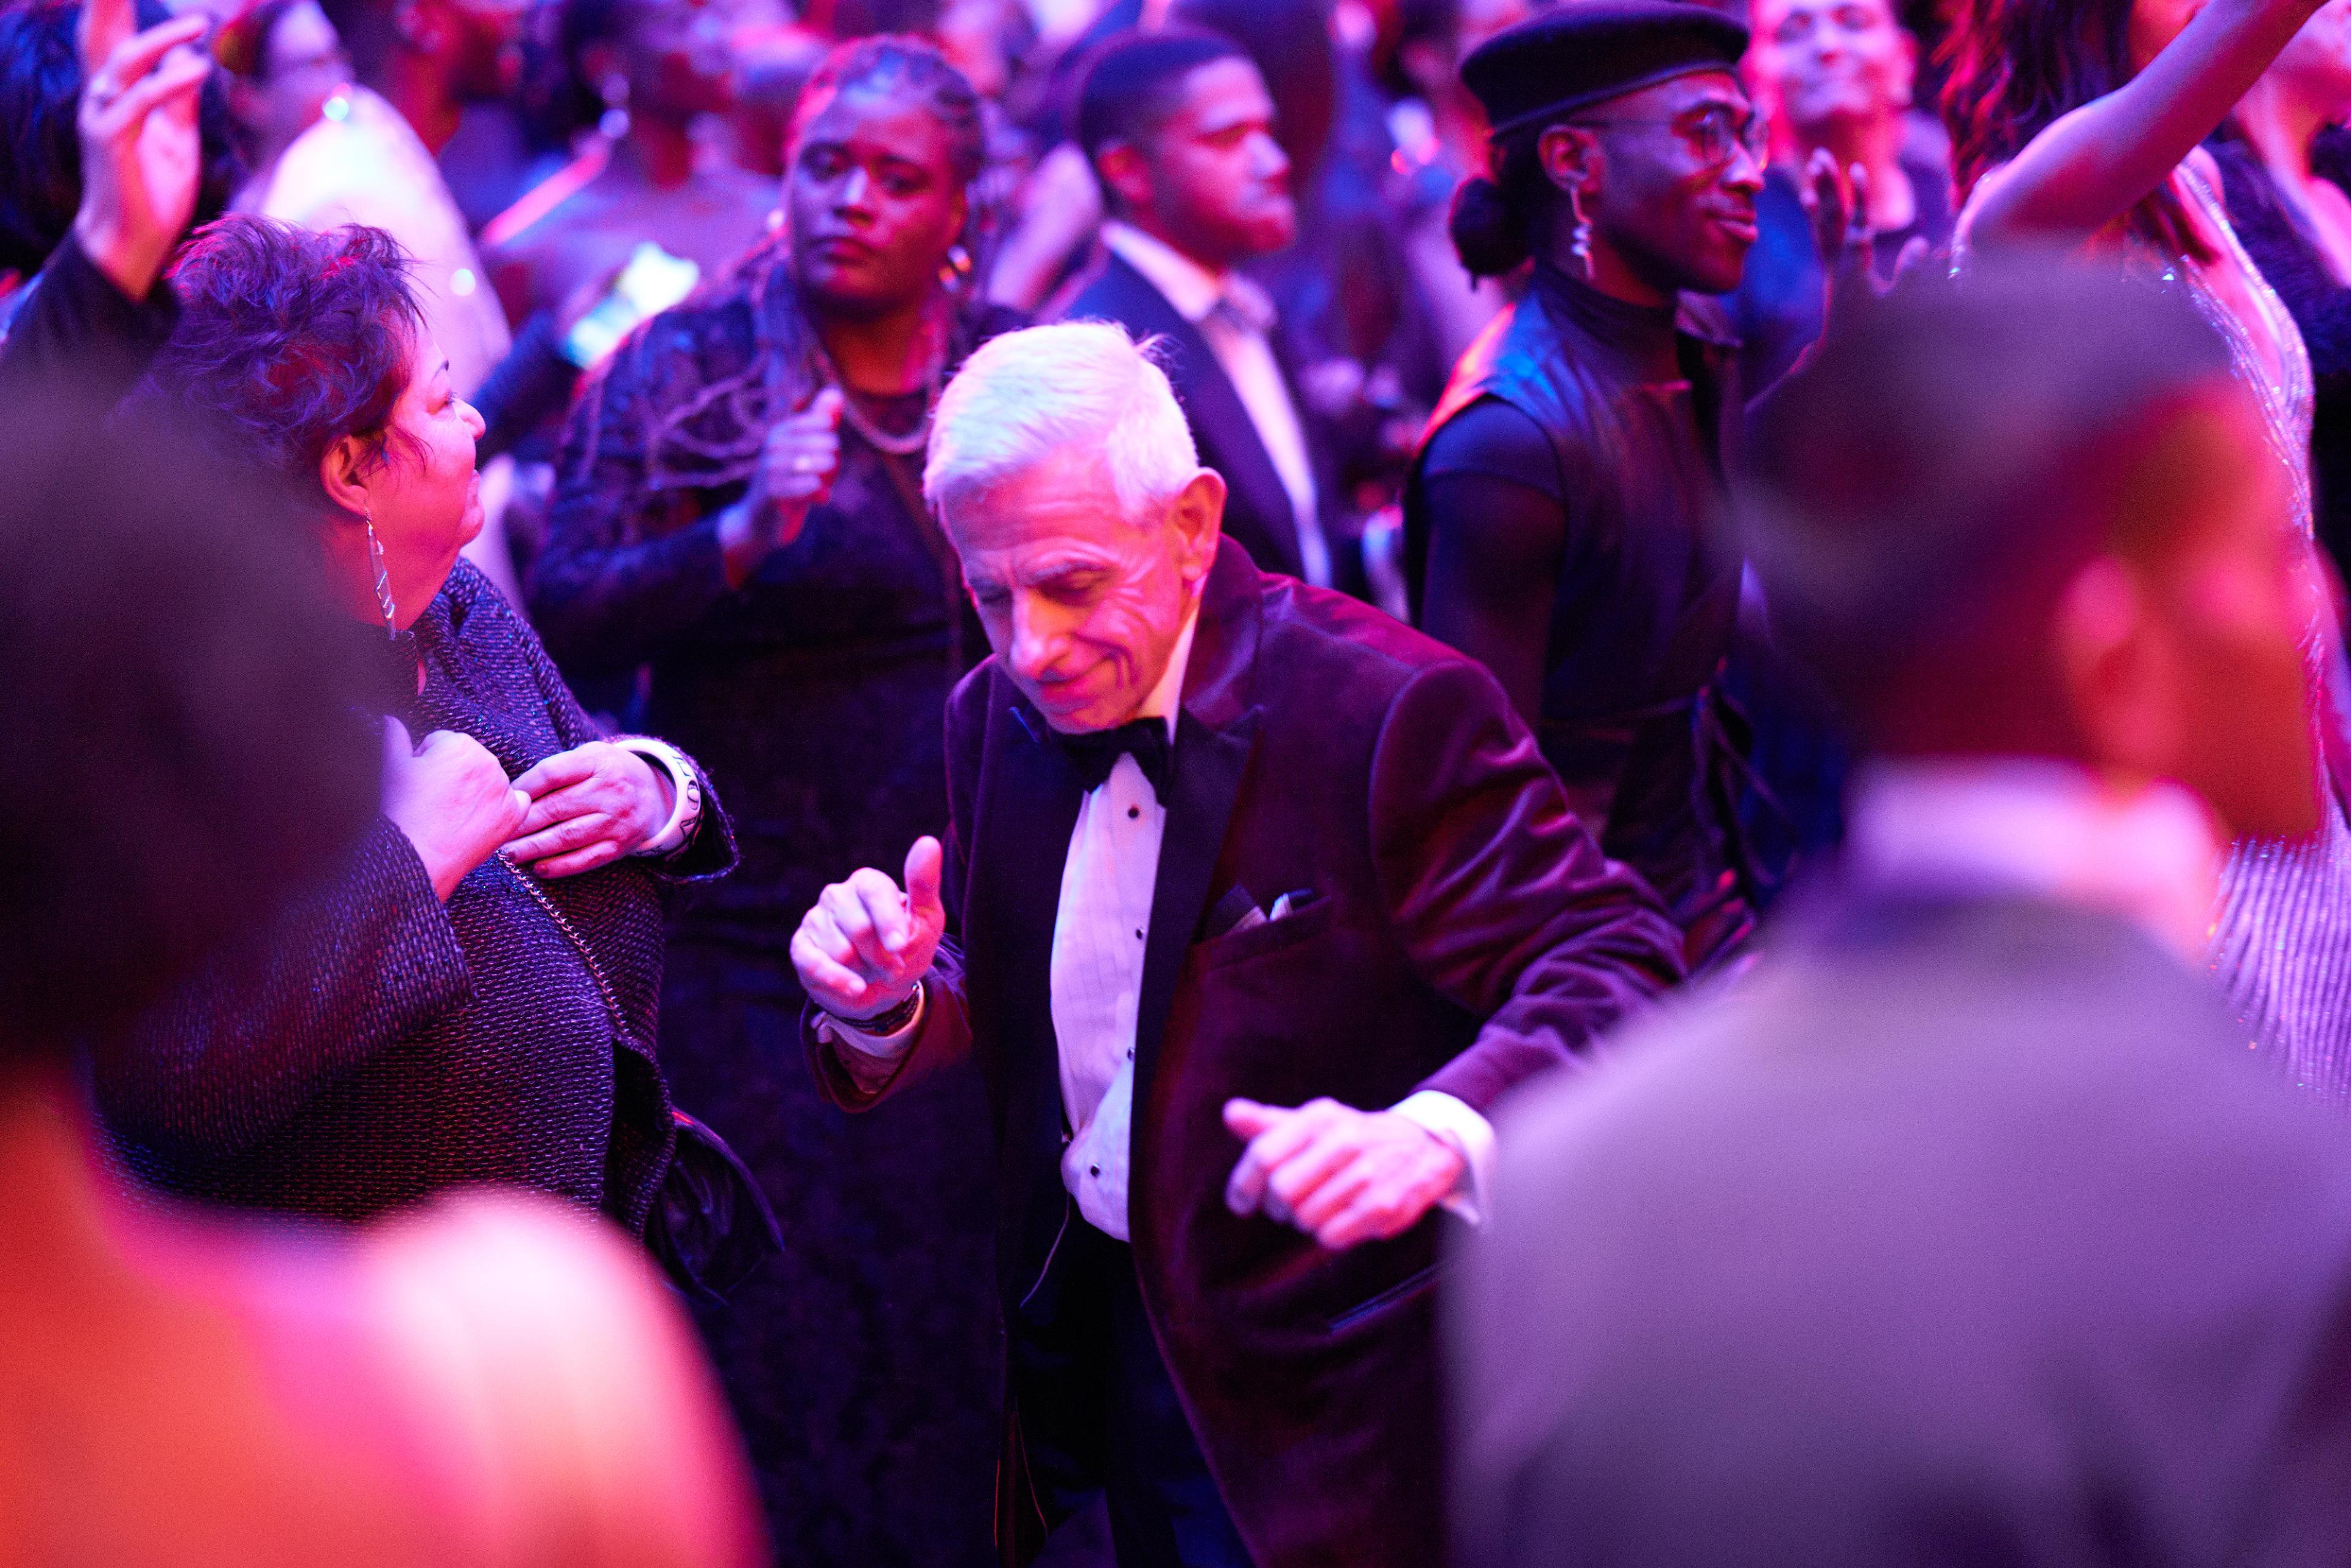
(796, 470)
(451, 798)
(141, 159)
(589, 806)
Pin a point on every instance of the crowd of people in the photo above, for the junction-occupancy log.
(1318, 782)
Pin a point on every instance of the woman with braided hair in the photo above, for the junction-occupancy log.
(738, 506)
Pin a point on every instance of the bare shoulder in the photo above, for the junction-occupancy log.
(543, 1346)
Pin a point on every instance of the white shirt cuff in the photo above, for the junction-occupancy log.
(898, 1041)
(1472, 1137)
(685, 790)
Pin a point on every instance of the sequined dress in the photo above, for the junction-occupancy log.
(2280, 942)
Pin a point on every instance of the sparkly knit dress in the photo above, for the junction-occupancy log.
(2280, 942)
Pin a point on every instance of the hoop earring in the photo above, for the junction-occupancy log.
(1578, 234)
(382, 583)
(614, 90)
(954, 275)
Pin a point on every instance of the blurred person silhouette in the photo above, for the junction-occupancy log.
(40, 153)
(492, 1382)
(647, 191)
(282, 61)
(776, 64)
(1963, 1231)
(1564, 522)
(471, 998)
(1440, 130)
(739, 504)
(359, 162)
(659, 66)
(1354, 325)
(1182, 134)
(1837, 79)
(2082, 126)
(453, 70)
(2285, 168)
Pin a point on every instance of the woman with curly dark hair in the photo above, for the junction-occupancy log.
(2079, 123)
(739, 504)
(471, 1000)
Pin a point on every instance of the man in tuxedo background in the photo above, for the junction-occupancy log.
(1965, 1230)
(1179, 127)
(1262, 900)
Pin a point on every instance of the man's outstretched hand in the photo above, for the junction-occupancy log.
(141, 159)
(1340, 1174)
(862, 948)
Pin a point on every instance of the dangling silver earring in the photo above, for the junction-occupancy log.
(382, 583)
(614, 89)
(1579, 234)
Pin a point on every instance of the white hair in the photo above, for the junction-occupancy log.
(1029, 393)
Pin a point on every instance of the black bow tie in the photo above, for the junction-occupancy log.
(1096, 752)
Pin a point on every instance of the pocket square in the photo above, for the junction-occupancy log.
(1235, 910)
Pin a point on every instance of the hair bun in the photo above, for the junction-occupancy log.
(1489, 232)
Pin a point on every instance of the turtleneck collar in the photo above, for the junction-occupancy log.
(1644, 334)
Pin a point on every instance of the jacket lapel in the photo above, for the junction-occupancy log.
(1214, 738)
(1021, 845)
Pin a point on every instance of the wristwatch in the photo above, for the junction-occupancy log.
(685, 792)
(883, 1025)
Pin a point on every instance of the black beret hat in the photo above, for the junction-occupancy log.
(1589, 50)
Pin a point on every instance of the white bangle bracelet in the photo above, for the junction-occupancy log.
(685, 792)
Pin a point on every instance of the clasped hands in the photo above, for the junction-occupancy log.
(1341, 1175)
(577, 811)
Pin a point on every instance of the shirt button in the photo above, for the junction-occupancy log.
(1134, 810)
(1093, 1170)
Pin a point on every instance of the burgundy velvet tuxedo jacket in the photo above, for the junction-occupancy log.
(1464, 935)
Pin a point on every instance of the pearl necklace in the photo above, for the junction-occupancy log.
(904, 445)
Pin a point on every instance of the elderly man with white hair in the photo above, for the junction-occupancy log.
(1263, 899)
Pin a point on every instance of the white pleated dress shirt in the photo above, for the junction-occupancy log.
(1101, 931)
(1236, 335)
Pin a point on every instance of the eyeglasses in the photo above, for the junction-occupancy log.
(1714, 132)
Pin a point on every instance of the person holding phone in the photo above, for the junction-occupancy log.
(738, 505)
(657, 67)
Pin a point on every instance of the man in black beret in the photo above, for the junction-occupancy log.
(1563, 516)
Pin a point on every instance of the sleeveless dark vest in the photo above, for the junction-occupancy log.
(1633, 719)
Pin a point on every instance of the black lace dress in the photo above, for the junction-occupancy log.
(863, 1363)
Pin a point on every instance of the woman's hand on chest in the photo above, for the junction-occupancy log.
(589, 806)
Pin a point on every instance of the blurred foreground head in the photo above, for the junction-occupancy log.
(181, 743)
(2033, 514)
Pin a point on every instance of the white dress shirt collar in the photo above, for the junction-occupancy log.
(2030, 825)
(1192, 288)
